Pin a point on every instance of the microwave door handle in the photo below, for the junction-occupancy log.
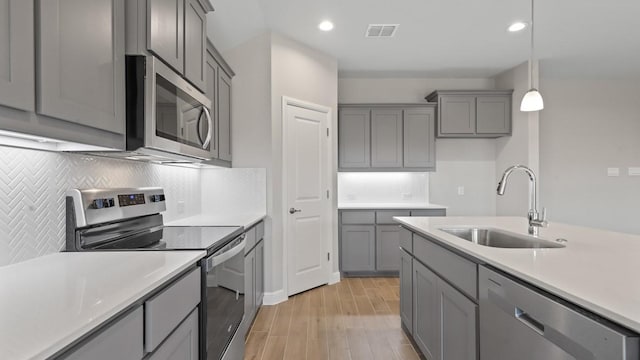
(209, 133)
(198, 127)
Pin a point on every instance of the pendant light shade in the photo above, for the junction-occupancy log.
(532, 100)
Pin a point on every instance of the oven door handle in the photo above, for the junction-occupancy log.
(216, 260)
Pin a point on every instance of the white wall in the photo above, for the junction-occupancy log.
(459, 162)
(269, 67)
(586, 127)
(233, 191)
(519, 148)
(33, 185)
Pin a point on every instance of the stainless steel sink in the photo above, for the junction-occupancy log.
(500, 239)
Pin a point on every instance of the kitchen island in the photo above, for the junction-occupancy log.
(593, 271)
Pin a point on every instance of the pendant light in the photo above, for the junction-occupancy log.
(532, 100)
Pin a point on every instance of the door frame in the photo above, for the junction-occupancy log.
(289, 101)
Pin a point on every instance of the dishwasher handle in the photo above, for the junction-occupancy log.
(226, 254)
(529, 321)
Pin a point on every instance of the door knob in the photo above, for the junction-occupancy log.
(293, 211)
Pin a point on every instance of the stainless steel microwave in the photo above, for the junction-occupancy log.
(167, 118)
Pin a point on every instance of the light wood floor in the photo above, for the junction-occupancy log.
(356, 319)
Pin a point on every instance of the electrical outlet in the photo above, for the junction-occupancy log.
(634, 171)
(460, 190)
(181, 207)
(613, 172)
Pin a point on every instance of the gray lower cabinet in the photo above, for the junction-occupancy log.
(165, 31)
(357, 248)
(386, 137)
(253, 274)
(195, 44)
(444, 320)
(17, 54)
(80, 64)
(259, 273)
(121, 340)
(426, 311)
(387, 245)
(249, 285)
(406, 290)
(458, 321)
(354, 138)
(473, 113)
(182, 344)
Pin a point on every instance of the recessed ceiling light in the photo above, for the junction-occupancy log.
(517, 26)
(326, 26)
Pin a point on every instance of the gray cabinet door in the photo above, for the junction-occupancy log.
(406, 290)
(165, 33)
(17, 61)
(387, 248)
(182, 344)
(419, 138)
(493, 115)
(457, 114)
(259, 281)
(458, 324)
(249, 285)
(224, 116)
(195, 44)
(212, 91)
(81, 62)
(386, 138)
(354, 138)
(357, 248)
(426, 311)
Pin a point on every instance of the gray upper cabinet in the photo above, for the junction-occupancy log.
(195, 44)
(357, 248)
(493, 115)
(386, 138)
(81, 62)
(212, 80)
(166, 31)
(387, 248)
(473, 113)
(354, 138)
(419, 138)
(17, 83)
(224, 116)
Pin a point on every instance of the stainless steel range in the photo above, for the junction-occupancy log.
(131, 219)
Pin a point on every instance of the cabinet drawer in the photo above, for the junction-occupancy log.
(251, 239)
(406, 240)
(457, 270)
(165, 311)
(358, 217)
(122, 340)
(260, 231)
(386, 216)
(429, 212)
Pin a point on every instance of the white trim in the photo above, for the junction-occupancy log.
(286, 101)
(334, 278)
(275, 297)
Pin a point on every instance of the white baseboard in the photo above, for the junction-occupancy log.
(334, 278)
(275, 297)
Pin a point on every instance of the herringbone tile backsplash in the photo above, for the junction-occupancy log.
(33, 186)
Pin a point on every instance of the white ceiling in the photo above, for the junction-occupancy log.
(445, 38)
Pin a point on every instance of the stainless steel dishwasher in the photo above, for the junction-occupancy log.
(518, 322)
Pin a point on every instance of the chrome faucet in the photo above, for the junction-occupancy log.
(535, 220)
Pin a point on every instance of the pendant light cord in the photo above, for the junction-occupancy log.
(532, 51)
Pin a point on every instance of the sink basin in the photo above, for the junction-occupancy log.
(501, 239)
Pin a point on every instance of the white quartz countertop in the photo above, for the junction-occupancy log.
(246, 219)
(49, 302)
(390, 206)
(596, 270)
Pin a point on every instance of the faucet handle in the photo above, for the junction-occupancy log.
(544, 214)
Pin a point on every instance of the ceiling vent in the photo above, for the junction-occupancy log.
(381, 30)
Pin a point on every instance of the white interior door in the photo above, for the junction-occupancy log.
(306, 168)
